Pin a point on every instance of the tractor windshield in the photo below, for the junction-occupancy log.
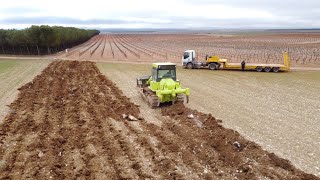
(166, 73)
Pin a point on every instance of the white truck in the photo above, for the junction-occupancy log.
(189, 61)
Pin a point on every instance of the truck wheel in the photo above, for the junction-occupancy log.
(267, 69)
(189, 66)
(259, 69)
(212, 66)
(275, 69)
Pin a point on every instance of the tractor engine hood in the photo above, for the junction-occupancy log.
(167, 84)
(170, 87)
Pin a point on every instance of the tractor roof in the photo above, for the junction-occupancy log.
(156, 65)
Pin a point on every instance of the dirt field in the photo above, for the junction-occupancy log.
(68, 122)
(278, 111)
(149, 47)
(13, 74)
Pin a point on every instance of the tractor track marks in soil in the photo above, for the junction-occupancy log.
(67, 123)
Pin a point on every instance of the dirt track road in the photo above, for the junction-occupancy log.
(67, 123)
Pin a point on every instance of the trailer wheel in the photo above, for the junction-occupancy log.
(189, 66)
(275, 69)
(259, 69)
(267, 69)
(212, 66)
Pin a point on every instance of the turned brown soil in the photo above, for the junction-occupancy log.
(68, 123)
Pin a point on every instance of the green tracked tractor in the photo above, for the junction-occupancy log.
(162, 86)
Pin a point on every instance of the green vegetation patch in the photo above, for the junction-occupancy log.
(6, 65)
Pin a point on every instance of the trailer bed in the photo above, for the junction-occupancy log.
(238, 65)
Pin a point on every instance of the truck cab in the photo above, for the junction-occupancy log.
(189, 61)
(188, 58)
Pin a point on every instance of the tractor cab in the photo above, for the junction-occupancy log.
(163, 71)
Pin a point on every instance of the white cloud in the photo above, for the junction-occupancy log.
(164, 13)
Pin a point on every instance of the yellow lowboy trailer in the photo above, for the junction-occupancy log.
(215, 63)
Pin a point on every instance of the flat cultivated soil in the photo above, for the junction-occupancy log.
(304, 48)
(13, 74)
(280, 111)
(71, 122)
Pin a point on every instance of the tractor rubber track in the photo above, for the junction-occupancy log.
(149, 96)
(69, 123)
(153, 100)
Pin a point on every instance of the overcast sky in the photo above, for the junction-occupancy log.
(162, 13)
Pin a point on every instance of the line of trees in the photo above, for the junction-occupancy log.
(42, 40)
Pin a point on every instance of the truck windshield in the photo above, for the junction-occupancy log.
(185, 55)
(166, 73)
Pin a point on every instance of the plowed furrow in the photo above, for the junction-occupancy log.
(196, 141)
(152, 162)
(93, 118)
(173, 146)
(71, 126)
(164, 162)
(132, 167)
(100, 147)
(50, 142)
